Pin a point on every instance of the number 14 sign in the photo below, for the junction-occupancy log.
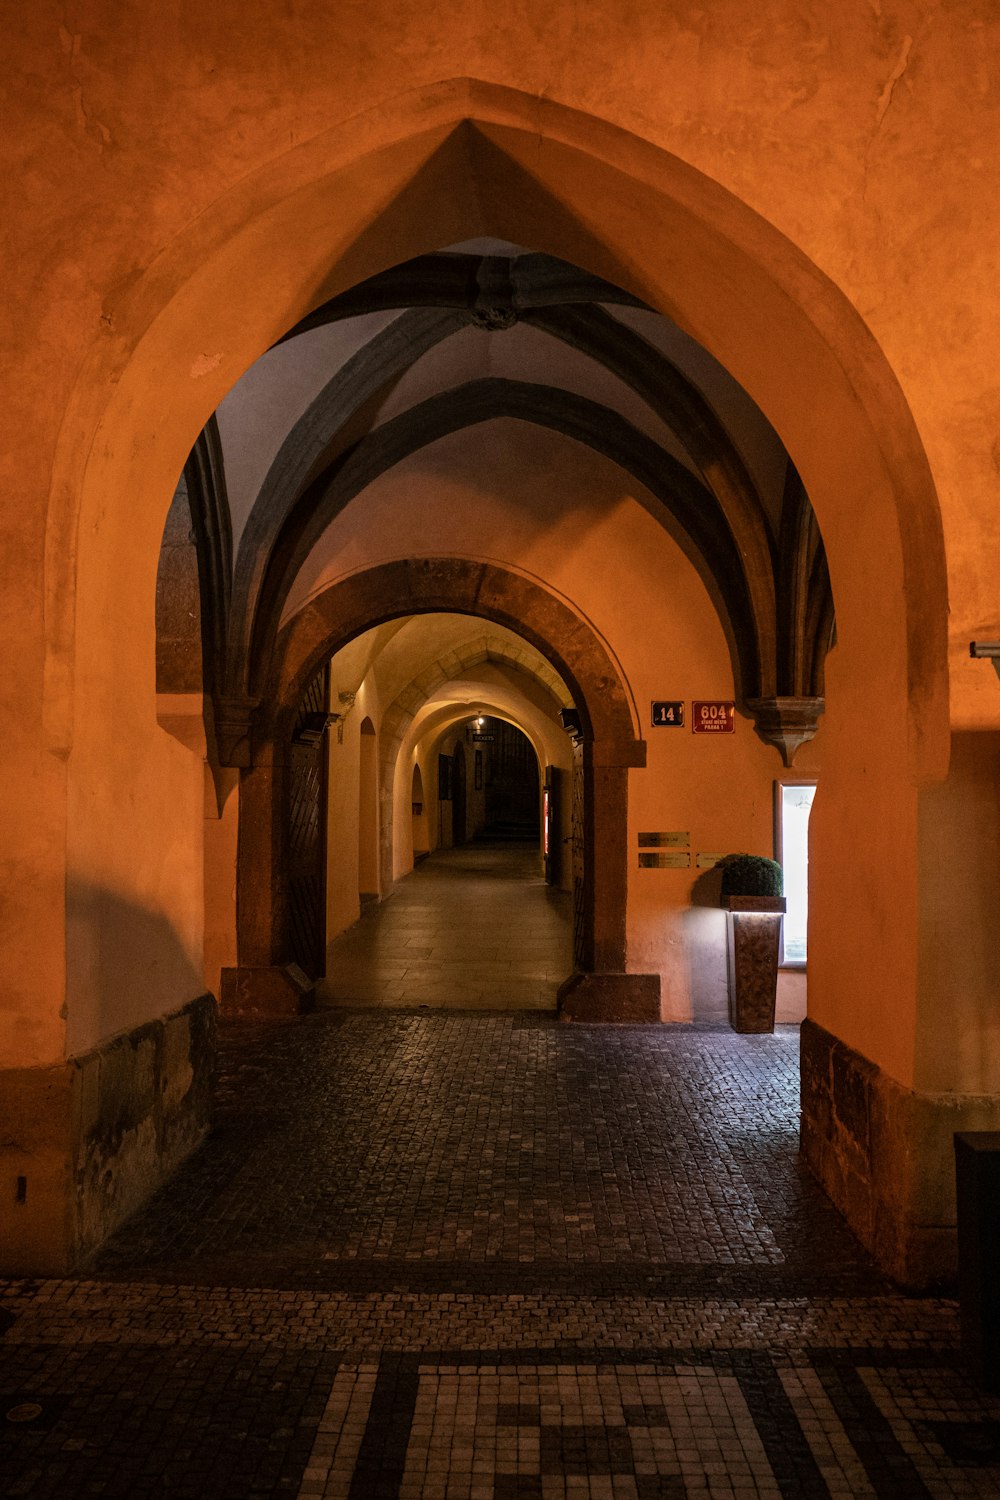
(668, 715)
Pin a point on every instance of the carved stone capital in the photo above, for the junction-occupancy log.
(786, 722)
(233, 724)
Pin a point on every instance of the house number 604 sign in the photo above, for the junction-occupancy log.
(713, 718)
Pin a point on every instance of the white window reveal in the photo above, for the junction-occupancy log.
(793, 802)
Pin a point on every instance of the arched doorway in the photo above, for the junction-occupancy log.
(602, 987)
(512, 783)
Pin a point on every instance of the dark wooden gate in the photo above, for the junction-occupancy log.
(579, 835)
(306, 846)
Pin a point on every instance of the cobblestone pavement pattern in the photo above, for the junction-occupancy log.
(472, 1256)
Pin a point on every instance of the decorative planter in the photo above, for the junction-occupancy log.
(753, 943)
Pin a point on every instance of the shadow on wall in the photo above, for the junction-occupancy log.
(125, 965)
(88, 1140)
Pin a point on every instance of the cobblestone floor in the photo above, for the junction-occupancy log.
(448, 1256)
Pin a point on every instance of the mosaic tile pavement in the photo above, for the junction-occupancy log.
(484, 1255)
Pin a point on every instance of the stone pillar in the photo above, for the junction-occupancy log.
(879, 1112)
(603, 991)
(263, 985)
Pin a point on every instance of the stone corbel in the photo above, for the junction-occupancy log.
(786, 722)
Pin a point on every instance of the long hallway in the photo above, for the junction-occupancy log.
(470, 1256)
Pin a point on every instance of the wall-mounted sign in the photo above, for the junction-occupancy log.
(664, 840)
(674, 860)
(668, 713)
(708, 861)
(483, 739)
(713, 718)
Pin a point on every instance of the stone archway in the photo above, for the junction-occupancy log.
(469, 158)
(448, 162)
(602, 988)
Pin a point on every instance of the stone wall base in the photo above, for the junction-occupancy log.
(84, 1144)
(266, 993)
(625, 998)
(885, 1156)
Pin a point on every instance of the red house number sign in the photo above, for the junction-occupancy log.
(713, 718)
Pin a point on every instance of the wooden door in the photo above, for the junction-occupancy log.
(306, 844)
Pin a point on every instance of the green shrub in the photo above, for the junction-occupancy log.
(751, 875)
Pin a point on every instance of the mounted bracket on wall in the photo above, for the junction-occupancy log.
(988, 649)
(348, 700)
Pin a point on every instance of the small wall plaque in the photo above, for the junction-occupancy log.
(664, 840)
(708, 861)
(668, 713)
(674, 860)
(713, 718)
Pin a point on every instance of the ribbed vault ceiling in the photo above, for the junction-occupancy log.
(481, 334)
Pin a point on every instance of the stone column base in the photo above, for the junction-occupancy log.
(626, 998)
(266, 992)
(885, 1155)
(84, 1143)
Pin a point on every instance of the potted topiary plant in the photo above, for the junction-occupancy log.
(752, 889)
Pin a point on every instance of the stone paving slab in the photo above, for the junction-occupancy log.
(469, 928)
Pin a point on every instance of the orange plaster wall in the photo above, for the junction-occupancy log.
(959, 844)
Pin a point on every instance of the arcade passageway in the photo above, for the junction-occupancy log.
(473, 1256)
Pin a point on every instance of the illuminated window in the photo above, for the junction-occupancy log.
(792, 804)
